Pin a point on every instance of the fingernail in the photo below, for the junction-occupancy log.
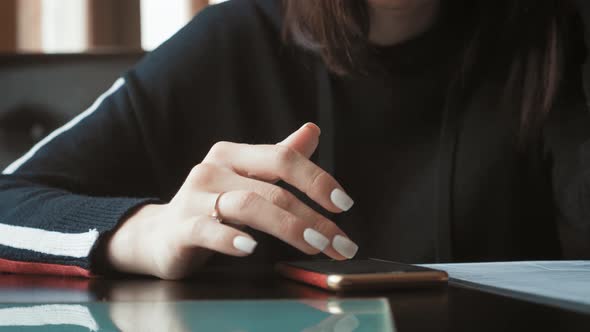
(313, 126)
(344, 246)
(315, 239)
(245, 244)
(341, 199)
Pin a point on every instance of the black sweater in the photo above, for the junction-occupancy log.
(462, 189)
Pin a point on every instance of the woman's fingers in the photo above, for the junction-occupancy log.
(230, 181)
(230, 167)
(305, 140)
(272, 162)
(206, 232)
(311, 237)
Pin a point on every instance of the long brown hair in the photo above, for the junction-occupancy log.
(523, 38)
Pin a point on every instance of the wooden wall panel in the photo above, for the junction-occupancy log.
(29, 25)
(8, 28)
(114, 24)
(197, 5)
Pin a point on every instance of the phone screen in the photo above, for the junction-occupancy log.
(365, 266)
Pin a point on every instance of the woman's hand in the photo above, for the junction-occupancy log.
(173, 240)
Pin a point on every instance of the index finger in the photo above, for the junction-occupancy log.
(272, 162)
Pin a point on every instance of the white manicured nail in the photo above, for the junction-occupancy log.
(344, 246)
(341, 199)
(315, 239)
(245, 244)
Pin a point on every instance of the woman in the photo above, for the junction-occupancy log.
(459, 127)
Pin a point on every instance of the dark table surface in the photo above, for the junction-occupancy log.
(447, 308)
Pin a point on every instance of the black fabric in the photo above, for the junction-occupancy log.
(389, 126)
(228, 76)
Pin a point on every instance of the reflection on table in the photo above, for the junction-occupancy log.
(348, 315)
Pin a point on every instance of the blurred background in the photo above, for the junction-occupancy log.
(73, 26)
(58, 56)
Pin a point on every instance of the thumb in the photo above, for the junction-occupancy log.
(305, 140)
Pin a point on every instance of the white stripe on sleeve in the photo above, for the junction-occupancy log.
(47, 242)
(19, 162)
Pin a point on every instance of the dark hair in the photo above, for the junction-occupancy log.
(523, 38)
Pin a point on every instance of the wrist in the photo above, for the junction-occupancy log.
(124, 249)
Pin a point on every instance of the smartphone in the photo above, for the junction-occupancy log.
(369, 274)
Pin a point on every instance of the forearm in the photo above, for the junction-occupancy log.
(48, 230)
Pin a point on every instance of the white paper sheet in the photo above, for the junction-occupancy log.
(559, 283)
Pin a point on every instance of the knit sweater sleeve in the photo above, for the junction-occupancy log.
(74, 186)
